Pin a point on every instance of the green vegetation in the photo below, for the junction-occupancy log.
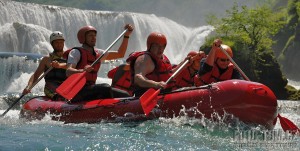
(249, 33)
(293, 93)
(253, 26)
(287, 46)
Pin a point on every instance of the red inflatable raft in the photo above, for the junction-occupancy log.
(250, 102)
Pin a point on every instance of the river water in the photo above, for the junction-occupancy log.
(178, 133)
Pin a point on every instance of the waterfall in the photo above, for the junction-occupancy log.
(15, 72)
(26, 27)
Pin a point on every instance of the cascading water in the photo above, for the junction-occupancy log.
(26, 28)
(11, 71)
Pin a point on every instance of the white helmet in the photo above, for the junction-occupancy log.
(56, 35)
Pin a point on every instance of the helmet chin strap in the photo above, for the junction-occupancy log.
(57, 51)
(149, 48)
(87, 45)
(216, 62)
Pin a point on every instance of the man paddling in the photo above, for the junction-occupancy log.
(151, 68)
(217, 66)
(81, 58)
(56, 75)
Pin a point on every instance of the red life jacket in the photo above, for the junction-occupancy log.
(185, 79)
(214, 75)
(112, 73)
(162, 70)
(87, 59)
(122, 82)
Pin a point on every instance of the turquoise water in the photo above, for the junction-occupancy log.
(179, 133)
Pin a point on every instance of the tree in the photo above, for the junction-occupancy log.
(250, 31)
(253, 26)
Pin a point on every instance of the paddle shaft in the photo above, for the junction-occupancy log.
(177, 71)
(37, 81)
(109, 47)
(237, 67)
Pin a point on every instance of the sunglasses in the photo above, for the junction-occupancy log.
(224, 60)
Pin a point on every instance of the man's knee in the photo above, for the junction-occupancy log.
(117, 93)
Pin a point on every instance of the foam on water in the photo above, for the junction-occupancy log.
(295, 84)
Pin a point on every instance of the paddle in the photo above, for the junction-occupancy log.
(148, 99)
(38, 80)
(71, 86)
(286, 124)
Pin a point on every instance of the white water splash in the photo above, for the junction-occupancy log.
(11, 72)
(295, 84)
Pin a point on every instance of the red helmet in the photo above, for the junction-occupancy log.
(220, 54)
(192, 53)
(82, 31)
(156, 37)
